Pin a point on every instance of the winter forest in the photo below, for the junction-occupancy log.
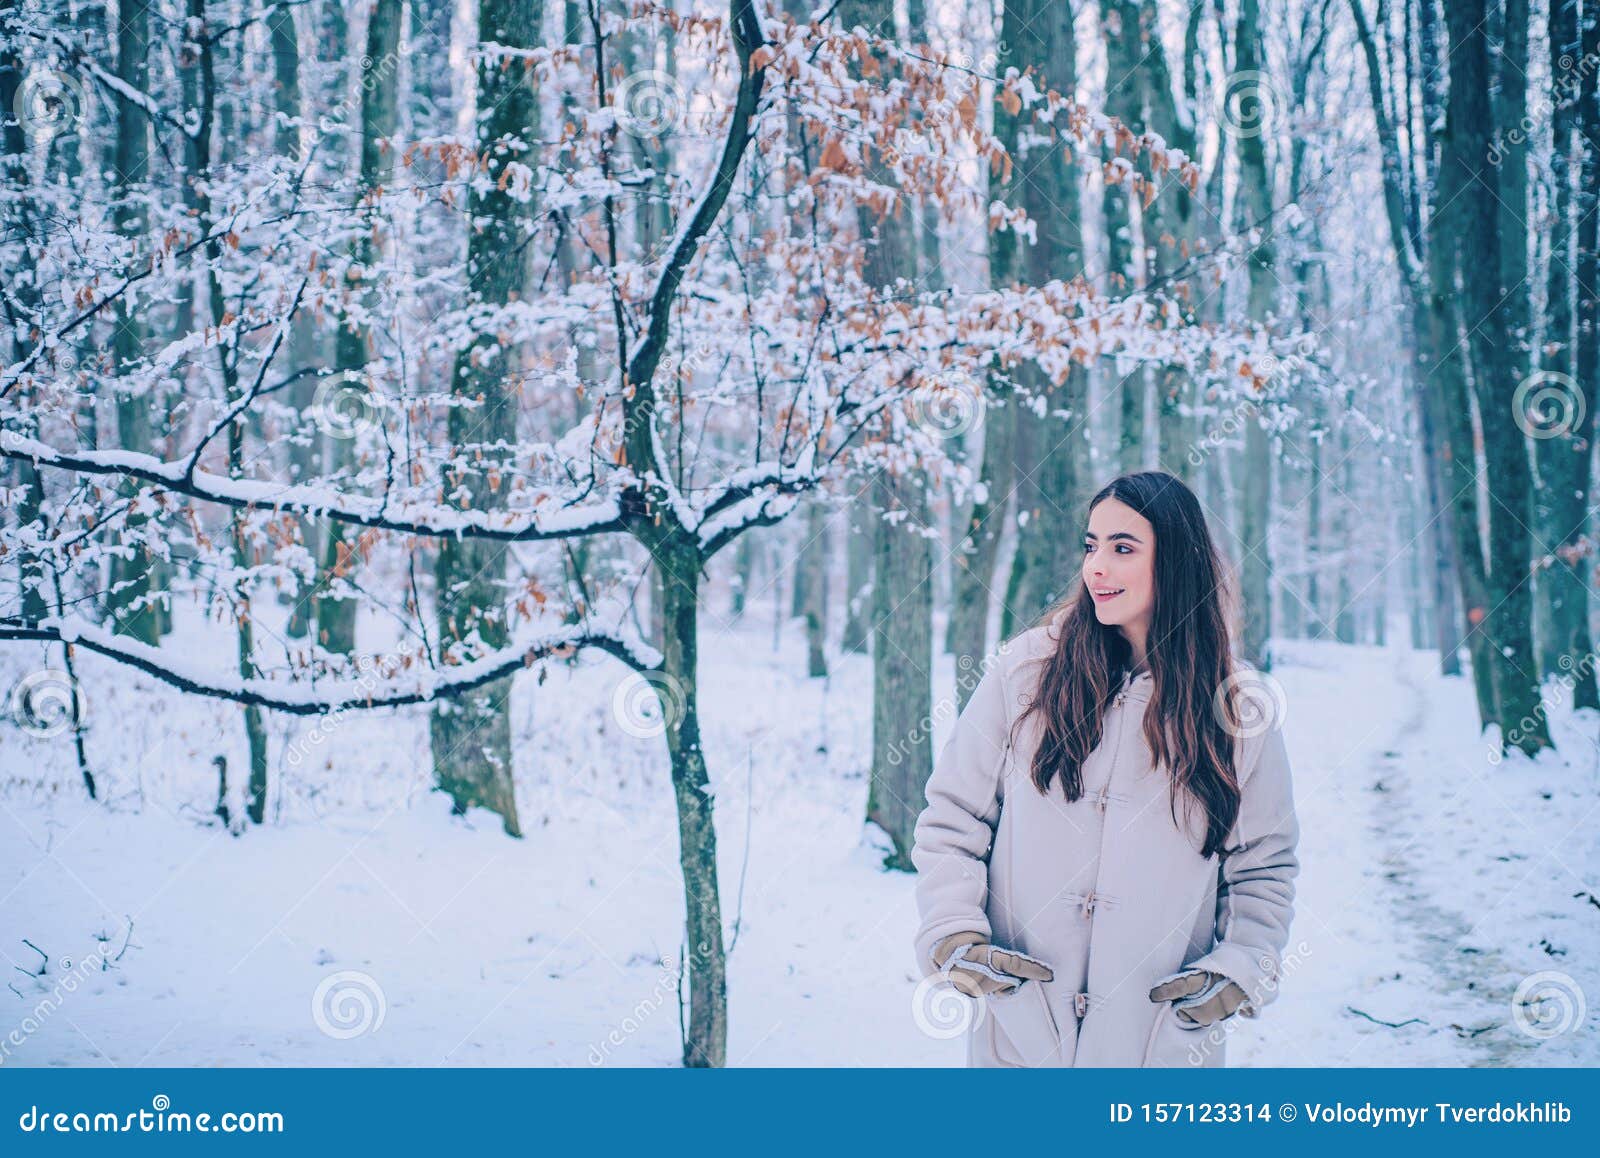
(502, 501)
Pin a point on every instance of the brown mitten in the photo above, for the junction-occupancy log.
(977, 968)
(1201, 997)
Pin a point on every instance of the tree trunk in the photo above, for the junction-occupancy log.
(1316, 626)
(300, 454)
(202, 84)
(930, 267)
(335, 603)
(902, 584)
(858, 579)
(15, 221)
(811, 578)
(1496, 326)
(1587, 269)
(902, 641)
(1172, 233)
(428, 50)
(705, 1044)
(1442, 362)
(1052, 454)
(1120, 28)
(977, 552)
(134, 603)
(1561, 495)
(1255, 182)
(471, 738)
(1426, 262)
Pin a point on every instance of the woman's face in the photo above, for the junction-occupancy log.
(1119, 555)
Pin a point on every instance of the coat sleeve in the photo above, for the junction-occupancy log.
(955, 832)
(1256, 890)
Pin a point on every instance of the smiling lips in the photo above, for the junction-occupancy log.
(1101, 594)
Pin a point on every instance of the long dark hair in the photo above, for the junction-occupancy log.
(1187, 652)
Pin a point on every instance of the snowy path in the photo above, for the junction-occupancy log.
(1467, 879)
(1431, 878)
(1494, 867)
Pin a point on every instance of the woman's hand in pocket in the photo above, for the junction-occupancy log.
(1199, 996)
(977, 967)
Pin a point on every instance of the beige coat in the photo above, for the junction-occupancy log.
(1107, 891)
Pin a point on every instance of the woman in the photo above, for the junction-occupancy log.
(1107, 856)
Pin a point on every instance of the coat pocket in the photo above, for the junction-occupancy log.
(1174, 1042)
(1024, 1030)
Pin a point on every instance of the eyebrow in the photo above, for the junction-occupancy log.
(1114, 535)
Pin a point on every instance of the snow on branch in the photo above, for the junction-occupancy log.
(406, 517)
(387, 683)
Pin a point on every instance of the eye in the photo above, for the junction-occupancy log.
(1087, 546)
(1124, 549)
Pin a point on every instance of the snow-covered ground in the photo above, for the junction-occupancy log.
(1435, 881)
